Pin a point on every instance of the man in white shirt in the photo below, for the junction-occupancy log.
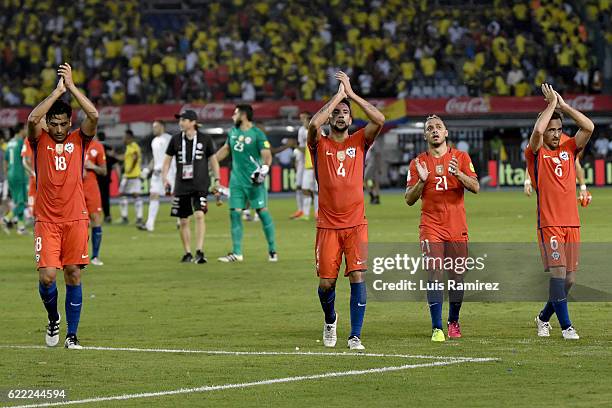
(298, 153)
(159, 144)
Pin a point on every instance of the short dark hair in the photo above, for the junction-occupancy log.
(129, 132)
(18, 128)
(161, 122)
(347, 102)
(557, 114)
(58, 108)
(246, 108)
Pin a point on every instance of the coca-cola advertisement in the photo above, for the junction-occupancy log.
(468, 105)
(9, 117)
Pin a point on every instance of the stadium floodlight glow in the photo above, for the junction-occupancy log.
(290, 129)
(215, 131)
(419, 125)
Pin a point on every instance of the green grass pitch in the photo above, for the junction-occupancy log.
(143, 298)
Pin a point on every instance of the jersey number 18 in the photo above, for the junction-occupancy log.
(60, 163)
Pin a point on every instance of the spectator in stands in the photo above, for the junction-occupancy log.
(210, 51)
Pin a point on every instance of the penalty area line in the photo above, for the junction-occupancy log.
(263, 353)
(209, 388)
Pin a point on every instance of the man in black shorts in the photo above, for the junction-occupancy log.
(195, 153)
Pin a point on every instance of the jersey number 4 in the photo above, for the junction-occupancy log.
(341, 170)
(60, 163)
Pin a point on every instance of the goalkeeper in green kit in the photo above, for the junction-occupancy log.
(251, 160)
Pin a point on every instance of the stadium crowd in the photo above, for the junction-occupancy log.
(287, 50)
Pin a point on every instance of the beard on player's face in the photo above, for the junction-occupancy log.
(339, 124)
(343, 126)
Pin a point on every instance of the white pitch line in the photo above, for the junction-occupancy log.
(209, 388)
(261, 353)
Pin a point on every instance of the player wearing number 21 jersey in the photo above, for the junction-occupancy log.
(338, 161)
(553, 174)
(439, 178)
(60, 232)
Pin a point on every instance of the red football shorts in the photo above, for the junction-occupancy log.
(93, 200)
(560, 246)
(331, 244)
(437, 248)
(60, 244)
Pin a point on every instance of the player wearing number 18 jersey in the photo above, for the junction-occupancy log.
(60, 232)
(439, 178)
(551, 167)
(341, 226)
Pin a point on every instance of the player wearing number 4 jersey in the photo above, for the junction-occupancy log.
(439, 177)
(551, 167)
(60, 211)
(341, 226)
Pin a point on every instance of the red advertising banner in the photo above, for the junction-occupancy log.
(394, 109)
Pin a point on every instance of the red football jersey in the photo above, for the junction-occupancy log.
(553, 174)
(26, 151)
(59, 179)
(339, 170)
(95, 153)
(442, 207)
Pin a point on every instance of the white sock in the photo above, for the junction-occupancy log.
(316, 202)
(123, 207)
(299, 198)
(306, 206)
(139, 208)
(153, 209)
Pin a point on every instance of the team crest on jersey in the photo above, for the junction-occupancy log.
(59, 148)
(350, 152)
(93, 152)
(70, 147)
(247, 140)
(341, 155)
(439, 169)
(564, 156)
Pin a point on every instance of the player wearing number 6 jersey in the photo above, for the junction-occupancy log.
(551, 167)
(60, 211)
(341, 226)
(439, 178)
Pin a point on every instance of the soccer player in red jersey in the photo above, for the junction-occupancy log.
(95, 165)
(439, 178)
(341, 226)
(551, 167)
(584, 196)
(60, 231)
(27, 155)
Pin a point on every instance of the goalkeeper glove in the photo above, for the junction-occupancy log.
(259, 175)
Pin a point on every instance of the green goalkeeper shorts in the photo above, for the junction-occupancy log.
(255, 195)
(18, 190)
